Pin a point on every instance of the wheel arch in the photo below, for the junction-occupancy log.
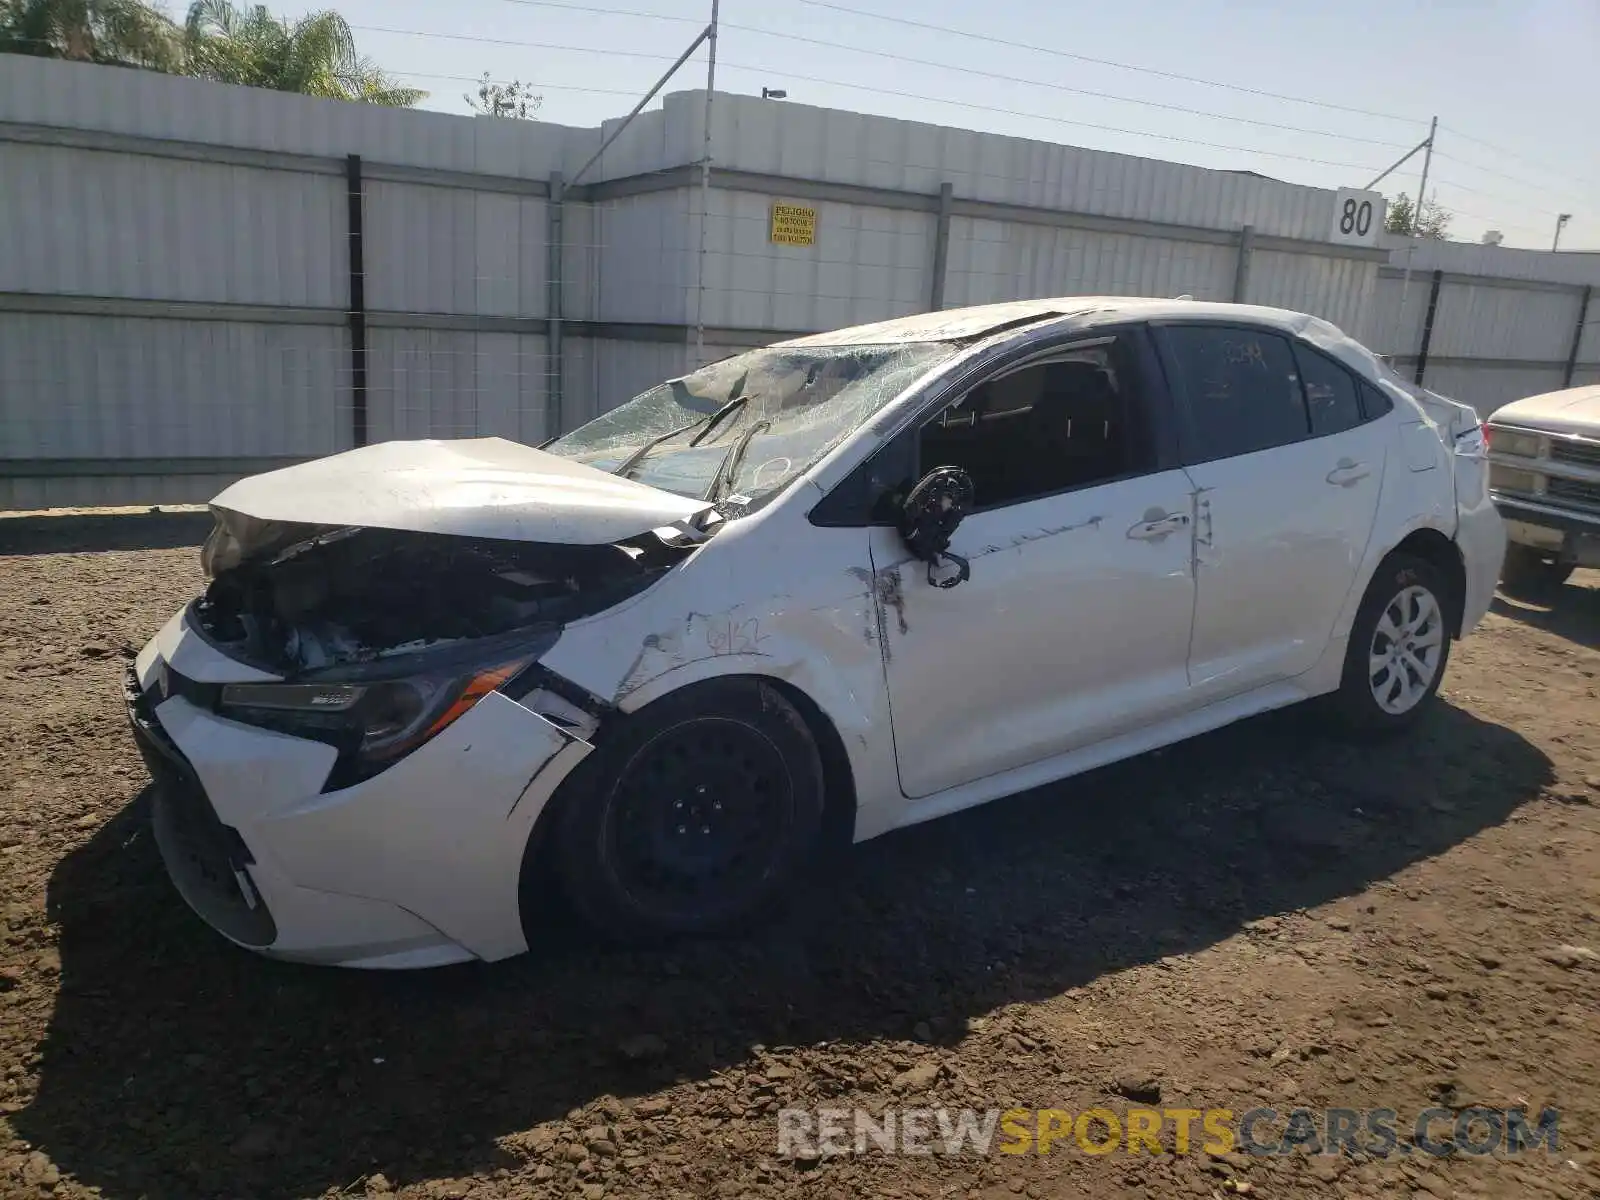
(536, 881)
(1441, 551)
(838, 775)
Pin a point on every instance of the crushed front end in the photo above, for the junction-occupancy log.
(352, 737)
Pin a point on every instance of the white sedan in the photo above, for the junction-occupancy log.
(853, 581)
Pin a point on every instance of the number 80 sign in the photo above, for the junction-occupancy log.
(1357, 217)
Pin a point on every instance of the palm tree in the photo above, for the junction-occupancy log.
(315, 55)
(122, 32)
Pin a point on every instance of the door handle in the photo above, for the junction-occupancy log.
(1348, 472)
(1159, 527)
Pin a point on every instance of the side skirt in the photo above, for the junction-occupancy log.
(1165, 733)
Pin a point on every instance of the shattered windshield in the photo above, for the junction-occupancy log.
(749, 424)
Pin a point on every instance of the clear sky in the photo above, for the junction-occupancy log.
(1513, 82)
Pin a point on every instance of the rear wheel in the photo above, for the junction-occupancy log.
(1399, 646)
(695, 816)
(1530, 571)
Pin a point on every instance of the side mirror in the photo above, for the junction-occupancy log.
(929, 516)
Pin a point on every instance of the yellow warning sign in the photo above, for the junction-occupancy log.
(793, 225)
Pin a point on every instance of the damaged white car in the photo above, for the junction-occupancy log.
(852, 581)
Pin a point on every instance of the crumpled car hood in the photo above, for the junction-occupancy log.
(1576, 410)
(479, 487)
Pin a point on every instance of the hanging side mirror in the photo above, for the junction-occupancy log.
(928, 519)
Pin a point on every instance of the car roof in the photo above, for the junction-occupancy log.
(962, 324)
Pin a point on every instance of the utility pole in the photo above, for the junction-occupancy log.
(1561, 219)
(1427, 164)
(705, 193)
(1416, 214)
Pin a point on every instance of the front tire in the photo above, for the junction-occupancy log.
(695, 817)
(1531, 572)
(1399, 647)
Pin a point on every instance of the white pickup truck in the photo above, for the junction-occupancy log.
(1544, 477)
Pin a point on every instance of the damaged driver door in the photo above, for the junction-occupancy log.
(1073, 622)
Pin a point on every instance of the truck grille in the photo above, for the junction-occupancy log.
(1585, 454)
(1576, 490)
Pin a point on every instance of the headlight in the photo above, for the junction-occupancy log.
(1510, 441)
(379, 712)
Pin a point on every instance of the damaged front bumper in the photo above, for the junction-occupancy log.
(418, 865)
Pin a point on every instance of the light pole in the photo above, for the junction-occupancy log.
(1561, 219)
(773, 93)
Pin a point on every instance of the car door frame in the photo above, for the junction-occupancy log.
(1185, 417)
(851, 503)
(859, 498)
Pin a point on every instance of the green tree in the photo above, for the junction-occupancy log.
(314, 55)
(1433, 221)
(514, 99)
(126, 33)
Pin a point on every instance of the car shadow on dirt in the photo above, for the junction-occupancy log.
(176, 1065)
(1571, 611)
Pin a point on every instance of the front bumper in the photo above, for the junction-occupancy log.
(416, 866)
(1572, 535)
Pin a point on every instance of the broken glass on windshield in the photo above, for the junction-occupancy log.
(788, 405)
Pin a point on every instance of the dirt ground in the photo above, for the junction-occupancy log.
(1260, 917)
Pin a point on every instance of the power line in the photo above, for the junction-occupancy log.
(494, 41)
(1012, 112)
(766, 70)
(1105, 62)
(1060, 87)
(610, 12)
(533, 83)
(1513, 154)
(1465, 162)
(1500, 196)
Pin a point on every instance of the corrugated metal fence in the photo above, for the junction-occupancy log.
(198, 281)
(1487, 325)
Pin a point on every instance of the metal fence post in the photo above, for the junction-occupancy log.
(1577, 337)
(941, 246)
(554, 265)
(1241, 269)
(1427, 327)
(356, 316)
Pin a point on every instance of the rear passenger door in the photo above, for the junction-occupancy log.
(1287, 469)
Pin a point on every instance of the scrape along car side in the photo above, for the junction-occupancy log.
(822, 625)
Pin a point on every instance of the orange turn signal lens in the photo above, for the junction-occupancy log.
(479, 686)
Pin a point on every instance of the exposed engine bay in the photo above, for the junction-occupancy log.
(299, 598)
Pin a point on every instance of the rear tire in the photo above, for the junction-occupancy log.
(694, 817)
(1399, 647)
(1531, 572)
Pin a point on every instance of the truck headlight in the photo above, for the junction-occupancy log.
(1511, 441)
(1509, 479)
